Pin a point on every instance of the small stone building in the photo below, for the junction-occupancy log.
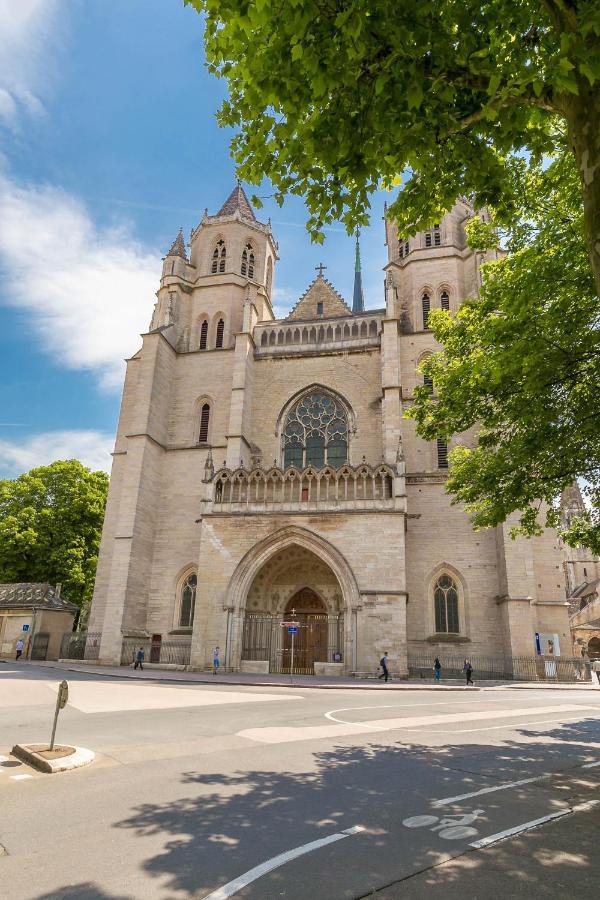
(37, 613)
(584, 605)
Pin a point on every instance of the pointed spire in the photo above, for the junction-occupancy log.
(178, 246)
(237, 201)
(358, 300)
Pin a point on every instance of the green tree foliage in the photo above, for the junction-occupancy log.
(50, 527)
(329, 100)
(522, 365)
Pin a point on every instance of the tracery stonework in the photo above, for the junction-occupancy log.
(263, 466)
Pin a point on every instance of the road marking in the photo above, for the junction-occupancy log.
(591, 765)
(563, 720)
(446, 801)
(518, 829)
(527, 826)
(288, 734)
(416, 705)
(232, 887)
(20, 777)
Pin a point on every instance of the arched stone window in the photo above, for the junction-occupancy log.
(445, 599)
(247, 267)
(445, 300)
(315, 432)
(218, 258)
(442, 454)
(220, 333)
(187, 601)
(204, 335)
(426, 305)
(204, 423)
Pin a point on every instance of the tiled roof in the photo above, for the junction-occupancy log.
(24, 595)
(237, 200)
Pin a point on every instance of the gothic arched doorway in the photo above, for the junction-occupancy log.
(294, 585)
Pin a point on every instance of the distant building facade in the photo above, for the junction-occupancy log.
(263, 473)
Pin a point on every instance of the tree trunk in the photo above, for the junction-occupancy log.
(582, 112)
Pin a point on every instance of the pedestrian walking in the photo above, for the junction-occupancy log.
(139, 659)
(595, 669)
(20, 646)
(437, 668)
(216, 662)
(383, 662)
(468, 670)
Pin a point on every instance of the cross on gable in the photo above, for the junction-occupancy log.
(320, 269)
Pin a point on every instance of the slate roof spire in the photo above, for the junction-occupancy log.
(178, 246)
(358, 300)
(237, 201)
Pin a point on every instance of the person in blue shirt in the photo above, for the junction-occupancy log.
(383, 662)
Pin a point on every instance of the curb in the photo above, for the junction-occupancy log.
(26, 753)
(358, 685)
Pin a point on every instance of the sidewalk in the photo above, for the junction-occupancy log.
(295, 681)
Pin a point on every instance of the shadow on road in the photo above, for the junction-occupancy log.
(225, 824)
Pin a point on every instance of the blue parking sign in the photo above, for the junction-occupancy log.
(25, 627)
(292, 629)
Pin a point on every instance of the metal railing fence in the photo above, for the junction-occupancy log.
(80, 645)
(161, 652)
(515, 668)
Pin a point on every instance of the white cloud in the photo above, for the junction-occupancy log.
(30, 33)
(283, 300)
(88, 292)
(92, 448)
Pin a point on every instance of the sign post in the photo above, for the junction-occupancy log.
(292, 628)
(61, 702)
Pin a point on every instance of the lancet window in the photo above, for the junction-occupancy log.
(220, 333)
(204, 422)
(187, 601)
(316, 433)
(218, 258)
(247, 267)
(445, 598)
(426, 305)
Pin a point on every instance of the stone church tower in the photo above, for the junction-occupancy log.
(264, 472)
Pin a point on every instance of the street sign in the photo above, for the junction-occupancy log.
(25, 627)
(292, 629)
(63, 694)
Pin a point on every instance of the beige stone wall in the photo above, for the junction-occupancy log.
(355, 376)
(441, 539)
(352, 542)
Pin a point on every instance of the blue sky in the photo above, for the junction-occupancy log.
(108, 143)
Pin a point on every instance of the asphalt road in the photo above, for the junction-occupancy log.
(345, 792)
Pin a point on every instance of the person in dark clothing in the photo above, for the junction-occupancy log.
(139, 659)
(383, 662)
(468, 670)
(437, 668)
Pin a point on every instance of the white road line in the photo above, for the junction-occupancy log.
(20, 777)
(232, 887)
(417, 705)
(446, 801)
(591, 765)
(527, 826)
(496, 727)
(501, 835)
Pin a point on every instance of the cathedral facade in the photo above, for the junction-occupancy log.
(264, 473)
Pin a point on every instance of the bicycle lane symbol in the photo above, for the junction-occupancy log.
(450, 828)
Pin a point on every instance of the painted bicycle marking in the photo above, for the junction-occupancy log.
(450, 828)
